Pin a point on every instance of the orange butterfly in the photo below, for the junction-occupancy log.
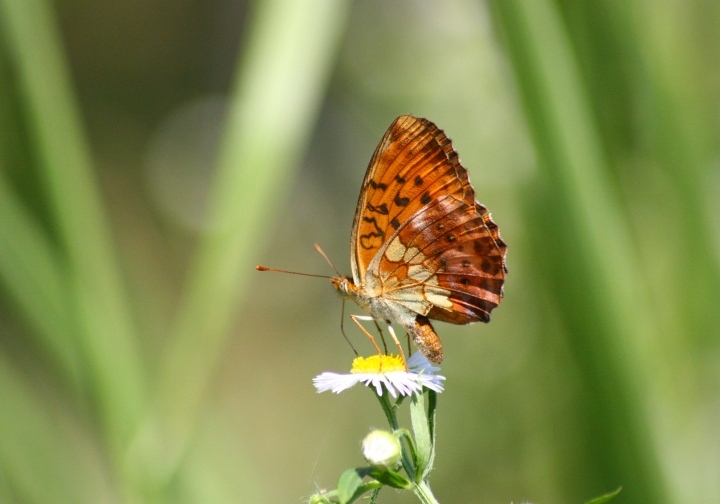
(421, 246)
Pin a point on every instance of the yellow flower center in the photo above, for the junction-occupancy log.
(378, 364)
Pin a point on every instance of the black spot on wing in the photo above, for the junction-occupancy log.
(377, 185)
(367, 240)
(402, 202)
(381, 209)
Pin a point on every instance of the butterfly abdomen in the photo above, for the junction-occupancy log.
(426, 339)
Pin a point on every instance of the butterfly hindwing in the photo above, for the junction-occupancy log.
(447, 256)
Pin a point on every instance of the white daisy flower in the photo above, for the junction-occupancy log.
(388, 370)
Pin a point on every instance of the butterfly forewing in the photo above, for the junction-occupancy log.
(413, 164)
(420, 233)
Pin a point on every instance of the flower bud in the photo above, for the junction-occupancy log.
(319, 498)
(381, 449)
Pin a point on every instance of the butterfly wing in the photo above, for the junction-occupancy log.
(452, 262)
(409, 157)
(372, 215)
(418, 232)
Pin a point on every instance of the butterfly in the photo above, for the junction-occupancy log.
(421, 247)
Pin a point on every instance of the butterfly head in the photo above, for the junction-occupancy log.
(344, 285)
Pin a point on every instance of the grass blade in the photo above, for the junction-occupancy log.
(31, 272)
(44, 460)
(573, 209)
(280, 82)
(95, 285)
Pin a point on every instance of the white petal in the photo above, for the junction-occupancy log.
(419, 364)
(420, 374)
(334, 381)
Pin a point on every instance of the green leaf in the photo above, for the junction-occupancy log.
(605, 498)
(370, 485)
(432, 408)
(423, 442)
(392, 479)
(350, 484)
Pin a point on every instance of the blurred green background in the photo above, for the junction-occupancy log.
(151, 153)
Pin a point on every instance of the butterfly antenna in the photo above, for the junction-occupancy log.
(265, 268)
(322, 253)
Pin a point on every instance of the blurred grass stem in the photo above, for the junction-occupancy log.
(281, 79)
(94, 286)
(573, 209)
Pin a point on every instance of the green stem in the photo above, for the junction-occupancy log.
(422, 490)
(405, 435)
(390, 410)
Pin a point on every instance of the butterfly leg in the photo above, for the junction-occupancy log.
(342, 328)
(357, 319)
(382, 336)
(397, 342)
